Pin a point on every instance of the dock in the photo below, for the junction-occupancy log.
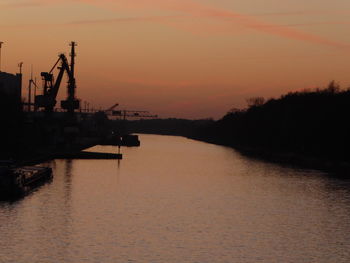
(89, 155)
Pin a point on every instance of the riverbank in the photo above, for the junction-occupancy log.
(305, 128)
(334, 167)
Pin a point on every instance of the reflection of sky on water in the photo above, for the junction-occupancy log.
(178, 200)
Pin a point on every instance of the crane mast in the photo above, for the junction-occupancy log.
(71, 103)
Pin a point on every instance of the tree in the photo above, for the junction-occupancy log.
(332, 87)
(255, 101)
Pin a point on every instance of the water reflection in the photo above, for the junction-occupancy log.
(68, 179)
(178, 200)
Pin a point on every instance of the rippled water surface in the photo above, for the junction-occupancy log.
(178, 200)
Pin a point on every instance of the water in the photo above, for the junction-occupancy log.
(178, 200)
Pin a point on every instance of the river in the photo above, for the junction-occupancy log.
(178, 200)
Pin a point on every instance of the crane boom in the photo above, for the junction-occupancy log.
(113, 107)
(64, 67)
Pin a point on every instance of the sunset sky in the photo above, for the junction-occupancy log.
(181, 58)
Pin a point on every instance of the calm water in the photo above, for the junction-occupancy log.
(178, 200)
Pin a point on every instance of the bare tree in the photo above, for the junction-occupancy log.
(255, 101)
(333, 87)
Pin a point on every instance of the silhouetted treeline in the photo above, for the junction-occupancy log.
(309, 123)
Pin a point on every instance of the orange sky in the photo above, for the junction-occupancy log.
(177, 58)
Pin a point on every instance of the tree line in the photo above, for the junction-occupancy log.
(308, 122)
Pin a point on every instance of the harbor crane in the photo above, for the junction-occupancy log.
(133, 114)
(111, 110)
(128, 113)
(51, 86)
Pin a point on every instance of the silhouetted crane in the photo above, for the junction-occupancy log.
(110, 109)
(134, 114)
(48, 99)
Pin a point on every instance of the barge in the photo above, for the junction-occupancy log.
(89, 155)
(15, 182)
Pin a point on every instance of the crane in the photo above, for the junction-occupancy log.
(127, 113)
(133, 114)
(50, 87)
(112, 108)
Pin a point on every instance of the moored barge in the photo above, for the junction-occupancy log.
(15, 182)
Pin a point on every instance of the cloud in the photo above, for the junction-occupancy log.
(142, 19)
(123, 19)
(174, 20)
(201, 10)
(318, 23)
(305, 13)
(20, 4)
(198, 10)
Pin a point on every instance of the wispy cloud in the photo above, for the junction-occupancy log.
(20, 4)
(123, 19)
(95, 22)
(304, 13)
(313, 24)
(198, 9)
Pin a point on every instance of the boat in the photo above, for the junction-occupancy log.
(17, 181)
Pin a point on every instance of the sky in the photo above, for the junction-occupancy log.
(181, 58)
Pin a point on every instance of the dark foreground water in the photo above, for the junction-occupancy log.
(178, 200)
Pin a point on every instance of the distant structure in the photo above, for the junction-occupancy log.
(11, 86)
(0, 53)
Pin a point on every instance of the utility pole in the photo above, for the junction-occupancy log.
(20, 65)
(0, 53)
(35, 108)
(30, 90)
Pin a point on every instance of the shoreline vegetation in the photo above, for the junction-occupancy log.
(306, 128)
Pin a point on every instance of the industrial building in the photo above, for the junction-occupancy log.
(10, 86)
